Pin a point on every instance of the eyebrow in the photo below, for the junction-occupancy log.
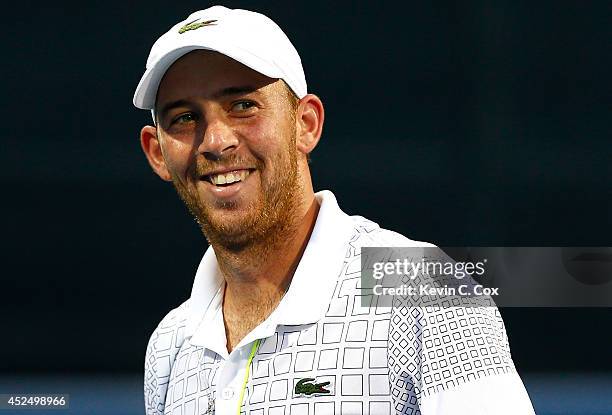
(225, 92)
(234, 90)
(171, 105)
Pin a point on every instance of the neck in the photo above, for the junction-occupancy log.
(264, 271)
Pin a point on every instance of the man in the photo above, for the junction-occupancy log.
(274, 324)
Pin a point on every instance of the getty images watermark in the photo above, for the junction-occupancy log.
(429, 271)
(482, 276)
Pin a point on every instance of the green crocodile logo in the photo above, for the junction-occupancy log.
(193, 25)
(304, 386)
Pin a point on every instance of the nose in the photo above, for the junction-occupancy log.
(218, 139)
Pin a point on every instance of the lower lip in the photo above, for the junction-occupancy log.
(226, 192)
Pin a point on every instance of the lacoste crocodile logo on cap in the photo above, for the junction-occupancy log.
(304, 386)
(193, 25)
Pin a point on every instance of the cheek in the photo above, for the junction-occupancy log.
(178, 156)
(269, 141)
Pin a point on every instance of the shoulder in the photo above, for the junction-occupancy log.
(164, 344)
(369, 233)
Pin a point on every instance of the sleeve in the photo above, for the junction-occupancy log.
(163, 346)
(452, 360)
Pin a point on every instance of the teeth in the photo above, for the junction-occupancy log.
(228, 178)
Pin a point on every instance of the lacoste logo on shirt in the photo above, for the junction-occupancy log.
(305, 387)
(193, 25)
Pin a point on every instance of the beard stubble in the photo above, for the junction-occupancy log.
(271, 217)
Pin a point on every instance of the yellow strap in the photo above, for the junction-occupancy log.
(246, 375)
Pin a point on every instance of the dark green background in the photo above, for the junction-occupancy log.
(460, 123)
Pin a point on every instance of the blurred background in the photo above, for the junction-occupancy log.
(459, 123)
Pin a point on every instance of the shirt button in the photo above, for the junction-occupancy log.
(227, 393)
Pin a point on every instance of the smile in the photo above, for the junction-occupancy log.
(227, 178)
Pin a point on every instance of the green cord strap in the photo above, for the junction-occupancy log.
(246, 375)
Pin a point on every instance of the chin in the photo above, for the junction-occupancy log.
(229, 226)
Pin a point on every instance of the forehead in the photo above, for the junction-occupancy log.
(204, 73)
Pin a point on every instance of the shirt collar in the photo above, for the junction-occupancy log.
(311, 288)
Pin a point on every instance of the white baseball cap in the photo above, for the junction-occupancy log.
(247, 37)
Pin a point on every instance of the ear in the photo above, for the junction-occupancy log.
(309, 117)
(152, 148)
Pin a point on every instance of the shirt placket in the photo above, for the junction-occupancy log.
(230, 381)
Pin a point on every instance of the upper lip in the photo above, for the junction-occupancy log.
(224, 171)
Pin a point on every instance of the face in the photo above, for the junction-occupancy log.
(228, 139)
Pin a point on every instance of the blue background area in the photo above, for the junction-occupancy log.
(551, 394)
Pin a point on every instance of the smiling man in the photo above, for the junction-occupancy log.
(274, 324)
(234, 143)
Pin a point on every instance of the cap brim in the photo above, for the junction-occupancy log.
(146, 91)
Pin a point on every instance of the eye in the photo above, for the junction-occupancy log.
(184, 118)
(241, 106)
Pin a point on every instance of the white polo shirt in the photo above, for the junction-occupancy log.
(322, 352)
